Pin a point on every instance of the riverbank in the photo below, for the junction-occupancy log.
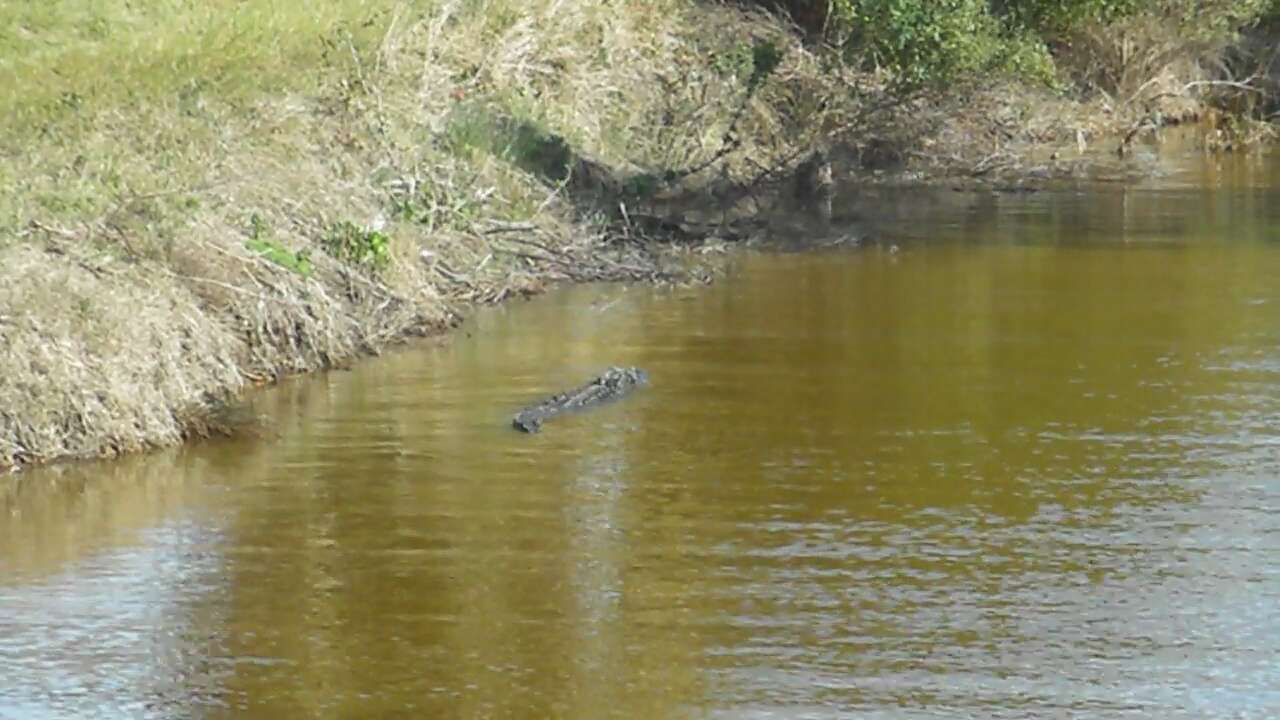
(204, 200)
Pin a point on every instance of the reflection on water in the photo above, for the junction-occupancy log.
(110, 591)
(1026, 467)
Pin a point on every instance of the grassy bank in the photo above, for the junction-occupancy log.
(203, 196)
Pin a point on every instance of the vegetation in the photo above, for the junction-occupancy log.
(204, 195)
(1118, 47)
(358, 246)
(260, 242)
(922, 41)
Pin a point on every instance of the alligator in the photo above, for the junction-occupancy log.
(613, 384)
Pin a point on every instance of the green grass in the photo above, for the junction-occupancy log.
(60, 57)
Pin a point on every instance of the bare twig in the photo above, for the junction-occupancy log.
(52, 230)
(498, 227)
(218, 283)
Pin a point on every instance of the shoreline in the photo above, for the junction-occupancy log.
(161, 259)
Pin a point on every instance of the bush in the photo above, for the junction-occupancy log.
(1052, 17)
(933, 42)
(1125, 47)
(1113, 45)
(921, 41)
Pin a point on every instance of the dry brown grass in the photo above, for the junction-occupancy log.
(99, 357)
(1169, 57)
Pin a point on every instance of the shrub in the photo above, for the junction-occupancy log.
(1125, 46)
(1117, 46)
(933, 42)
(1051, 17)
(922, 41)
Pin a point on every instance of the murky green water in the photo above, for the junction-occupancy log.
(1029, 466)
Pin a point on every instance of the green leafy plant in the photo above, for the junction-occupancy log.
(260, 243)
(765, 58)
(1053, 17)
(358, 246)
(924, 42)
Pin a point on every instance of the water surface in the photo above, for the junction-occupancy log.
(1027, 466)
